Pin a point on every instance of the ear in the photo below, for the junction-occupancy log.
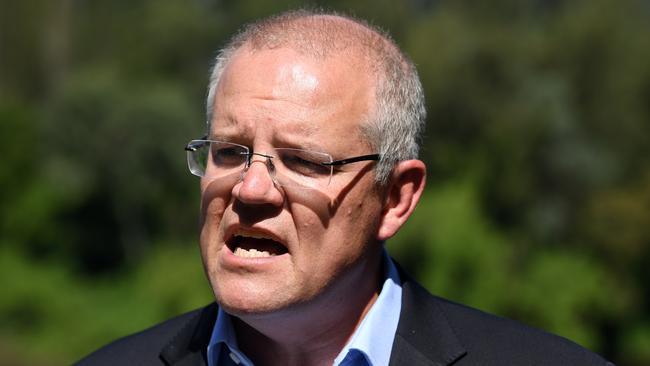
(402, 194)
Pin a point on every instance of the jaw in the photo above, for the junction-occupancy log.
(323, 320)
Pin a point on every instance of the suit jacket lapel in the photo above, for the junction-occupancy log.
(189, 346)
(424, 335)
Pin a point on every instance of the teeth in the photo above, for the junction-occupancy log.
(241, 252)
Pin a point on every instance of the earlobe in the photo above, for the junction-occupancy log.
(402, 195)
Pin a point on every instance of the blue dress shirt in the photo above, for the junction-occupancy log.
(370, 344)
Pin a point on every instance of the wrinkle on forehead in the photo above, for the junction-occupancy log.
(303, 128)
(289, 131)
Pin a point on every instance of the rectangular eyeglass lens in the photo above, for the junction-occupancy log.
(303, 167)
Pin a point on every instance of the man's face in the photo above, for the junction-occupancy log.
(322, 241)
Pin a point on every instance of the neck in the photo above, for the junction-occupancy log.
(312, 333)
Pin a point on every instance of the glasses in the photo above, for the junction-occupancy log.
(286, 166)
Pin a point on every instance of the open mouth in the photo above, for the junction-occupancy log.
(255, 245)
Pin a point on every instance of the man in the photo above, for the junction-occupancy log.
(309, 165)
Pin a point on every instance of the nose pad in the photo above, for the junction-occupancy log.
(258, 187)
(270, 168)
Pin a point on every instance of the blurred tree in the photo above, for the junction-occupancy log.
(537, 146)
(451, 247)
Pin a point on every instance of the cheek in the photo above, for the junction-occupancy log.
(214, 200)
(309, 226)
(215, 196)
(354, 212)
(310, 211)
(214, 211)
(210, 228)
(360, 220)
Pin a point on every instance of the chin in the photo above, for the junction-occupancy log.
(242, 301)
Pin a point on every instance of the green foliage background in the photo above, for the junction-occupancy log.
(538, 149)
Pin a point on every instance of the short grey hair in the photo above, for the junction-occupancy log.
(395, 126)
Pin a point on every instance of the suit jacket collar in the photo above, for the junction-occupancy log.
(424, 335)
(189, 346)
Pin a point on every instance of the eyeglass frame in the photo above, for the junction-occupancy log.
(250, 153)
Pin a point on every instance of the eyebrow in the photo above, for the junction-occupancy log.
(301, 144)
(305, 129)
(227, 120)
(290, 134)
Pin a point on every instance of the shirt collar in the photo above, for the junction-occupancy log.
(375, 335)
(224, 333)
(373, 338)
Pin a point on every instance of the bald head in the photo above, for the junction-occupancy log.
(322, 36)
(394, 124)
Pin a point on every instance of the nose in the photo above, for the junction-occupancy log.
(257, 186)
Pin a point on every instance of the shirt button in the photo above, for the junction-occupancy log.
(234, 358)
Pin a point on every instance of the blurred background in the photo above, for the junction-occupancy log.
(538, 148)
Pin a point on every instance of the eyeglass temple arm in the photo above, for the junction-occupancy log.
(353, 160)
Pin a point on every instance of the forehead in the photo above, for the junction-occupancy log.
(296, 93)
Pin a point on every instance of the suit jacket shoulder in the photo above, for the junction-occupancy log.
(435, 331)
(182, 340)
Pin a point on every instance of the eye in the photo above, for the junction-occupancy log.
(304, 163)
(227, 155)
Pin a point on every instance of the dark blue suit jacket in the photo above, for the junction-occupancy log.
(431, 331)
